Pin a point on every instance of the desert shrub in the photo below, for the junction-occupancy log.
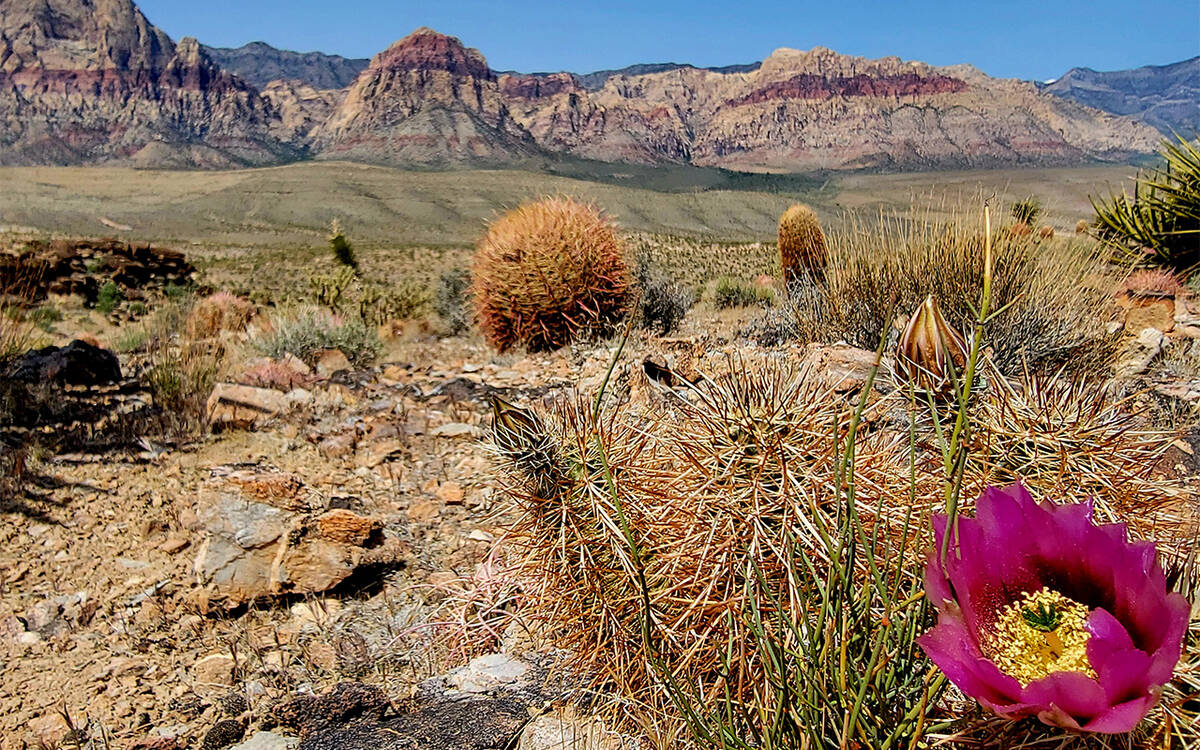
(175, 292)
(1027, 211)
(182, 375)
(222, 311)
(343, 252)
(109, 296)
(1160, 222)
(729, 292)
(306, 331)
(548, 272)
(45, 316)
(1054, 295)
(664, 300)
(802, 248)
(450, 299)
(407, 300)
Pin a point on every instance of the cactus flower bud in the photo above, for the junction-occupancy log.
(927, 348)
(516, 431)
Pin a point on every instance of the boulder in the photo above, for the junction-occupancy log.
(330, 362)
(254, 548)
(244, 406)
(77, 363)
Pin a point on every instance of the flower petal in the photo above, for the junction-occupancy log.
(1123, 717)
(950, 646)
(1121, 668)
(1072, 693)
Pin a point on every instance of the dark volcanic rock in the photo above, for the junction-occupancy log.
(347, 703)
(77, 363)
(473, 724)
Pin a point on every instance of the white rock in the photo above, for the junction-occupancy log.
(486, 673)
(268, 741)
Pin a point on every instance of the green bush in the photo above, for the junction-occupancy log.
(45, 317)
(1027, 211)
(730, 292)
(109, 297)
(305, 331)
(450, 299)
(343, 252)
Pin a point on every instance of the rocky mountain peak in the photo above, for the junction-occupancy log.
(80, 35)
(426, 49)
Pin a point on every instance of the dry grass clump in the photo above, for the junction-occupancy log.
(1055, 294)
(222, 311)
(547, 272)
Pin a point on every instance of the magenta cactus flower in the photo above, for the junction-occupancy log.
(1042, 612)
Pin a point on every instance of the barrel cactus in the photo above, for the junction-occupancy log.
(547, 272)
(801, 243)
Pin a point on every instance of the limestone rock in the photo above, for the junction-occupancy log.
(253, 548)
(244, 406)
(268, 741)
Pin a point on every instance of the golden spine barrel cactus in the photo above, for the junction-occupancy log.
(547, 272)
(801, 243)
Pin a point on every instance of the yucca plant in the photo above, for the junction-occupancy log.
(1160, 223)
(1027, 211)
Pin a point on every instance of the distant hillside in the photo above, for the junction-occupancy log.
(258, 64)
(1166, 97)
(595, 81)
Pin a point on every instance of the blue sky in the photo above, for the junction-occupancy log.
(1010, 38)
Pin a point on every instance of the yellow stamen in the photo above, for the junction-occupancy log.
(1039, 634)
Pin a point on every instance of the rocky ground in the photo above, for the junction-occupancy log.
(318, 567)
(339, 532)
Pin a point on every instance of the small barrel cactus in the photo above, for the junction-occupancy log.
(547, 272)
(801, 243)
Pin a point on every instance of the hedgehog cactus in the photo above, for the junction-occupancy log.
(547, 272)
(801, 243)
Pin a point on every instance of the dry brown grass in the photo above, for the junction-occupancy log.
(1054, 294)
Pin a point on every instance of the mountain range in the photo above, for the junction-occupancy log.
(1166, 97)
(93, 81)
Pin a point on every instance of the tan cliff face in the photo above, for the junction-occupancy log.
(85, 81)
(799, 110)
(425, 100)
(92, 81)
